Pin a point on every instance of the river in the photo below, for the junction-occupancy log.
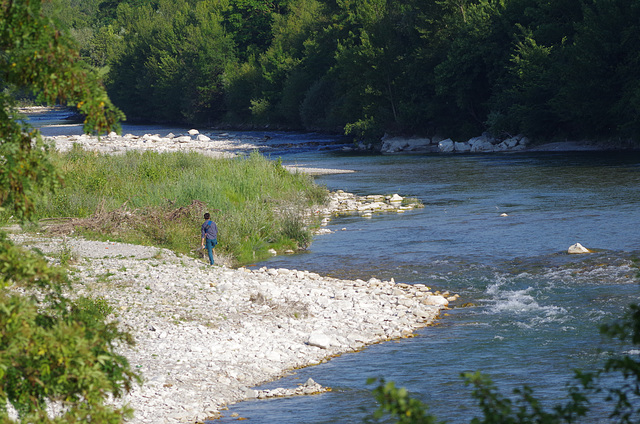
(535, 310)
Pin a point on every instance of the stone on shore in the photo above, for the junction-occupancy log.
(484, 143)
(320, 340)
(435, 301)
(446, 146)
(225, 146)
(396, 199)
(462, 147)
(403, 144)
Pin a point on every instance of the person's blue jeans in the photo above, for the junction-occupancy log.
(210, 245)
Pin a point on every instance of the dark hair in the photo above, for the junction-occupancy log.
(207, 216)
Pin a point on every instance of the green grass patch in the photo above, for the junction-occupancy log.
(158, 199)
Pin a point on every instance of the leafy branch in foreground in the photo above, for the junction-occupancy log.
(627, 395)
(525, 408)
(54, 351)
(397, 403)
(58, 359)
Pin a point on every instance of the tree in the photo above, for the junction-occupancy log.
(600, 92)
(173, 61)
(249, 21)
(272, 85)
(53, 351)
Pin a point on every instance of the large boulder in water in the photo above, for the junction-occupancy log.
(577, 249)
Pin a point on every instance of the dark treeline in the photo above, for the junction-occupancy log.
(545, 68)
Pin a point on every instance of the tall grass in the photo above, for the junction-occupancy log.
(255, 202)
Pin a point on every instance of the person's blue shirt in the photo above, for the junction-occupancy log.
(209, 230)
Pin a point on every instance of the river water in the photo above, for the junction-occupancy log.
(535, 309)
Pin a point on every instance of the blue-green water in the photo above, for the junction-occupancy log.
(538, 308)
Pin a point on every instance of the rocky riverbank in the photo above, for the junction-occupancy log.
(205, 336)
(489, 144)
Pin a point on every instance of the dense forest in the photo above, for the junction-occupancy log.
(550, 69)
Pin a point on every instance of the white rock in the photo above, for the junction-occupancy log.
(577, 249)
(446, 146)
(320, 340)
(251, 394)
(501, 147)
(155, 138)
(193, 132)
(273, 356)
(396, 198)
(511, 142)
(481, 144)
(435, 300)
(397, 144)
(357, 337)
(462, 147)
(417, 144)
(202, 137)
(394, 144)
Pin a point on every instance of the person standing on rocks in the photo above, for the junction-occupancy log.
(209, 233)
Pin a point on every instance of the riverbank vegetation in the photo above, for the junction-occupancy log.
(455, 68)
(159, 199)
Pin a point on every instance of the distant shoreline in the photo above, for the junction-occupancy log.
(552, 146)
